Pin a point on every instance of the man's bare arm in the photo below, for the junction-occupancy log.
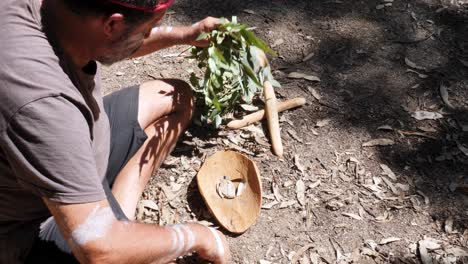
(96, 236)
(166, 36)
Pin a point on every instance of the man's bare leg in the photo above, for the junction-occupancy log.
(165, 109)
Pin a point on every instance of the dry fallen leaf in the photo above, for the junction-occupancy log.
(378, 142)
(269, 205)
(298, 164)
(308, 57)
(149, 204)
(426, 115)
(354, 216)
(287, 204)
(299, 75)
(299, 253)
(300, 192)
(413, 65)
(420, 75)
(389, 240)
(248, 11)
(314, 93)
(445, 96)
(249, 108)
(323, 122)
(387, 171)
(385, 128)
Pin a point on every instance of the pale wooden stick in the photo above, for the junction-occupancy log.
(259, 115)
(271, 111)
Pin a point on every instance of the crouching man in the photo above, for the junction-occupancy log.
(72, 163)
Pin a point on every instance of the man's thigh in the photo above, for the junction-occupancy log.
(127, 136)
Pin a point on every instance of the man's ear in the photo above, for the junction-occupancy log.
(114, 25)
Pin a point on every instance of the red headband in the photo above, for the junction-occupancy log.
(161, 6)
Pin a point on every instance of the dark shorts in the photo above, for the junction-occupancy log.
(126, 138)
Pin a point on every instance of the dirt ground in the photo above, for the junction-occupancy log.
(401, 200)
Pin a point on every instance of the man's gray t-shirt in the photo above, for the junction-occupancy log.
(54, 132)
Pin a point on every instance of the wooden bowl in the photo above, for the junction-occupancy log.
(238, 214)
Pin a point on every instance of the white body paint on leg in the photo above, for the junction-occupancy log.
(95, 226)
(219, 242)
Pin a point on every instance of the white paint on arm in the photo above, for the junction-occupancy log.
(49, 231)
(96, 226)
(219, 242)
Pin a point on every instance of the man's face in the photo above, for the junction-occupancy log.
(130, 41)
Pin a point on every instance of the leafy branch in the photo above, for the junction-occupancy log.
(233, 72)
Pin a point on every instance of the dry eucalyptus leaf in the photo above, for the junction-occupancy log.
(299, 75)
(262, 261)
(354, 216)
(378, 7)
(300, 192)
(276, 192)
(248, 11)
(387, 171)
(314, 93)
(323, 122)
(298, 164)
(426, 115)
(300, 252)
(287, 204)
(249, 108)
(385, 128)
(369, 252)
(308, 57)
(294, 135)
(413, 65)
(445, 96)
(315, 184)
(389, 240)
(464, 62)
(269, 205)
(420, 75)
(462, 148)
(149, 204)
(378, 142)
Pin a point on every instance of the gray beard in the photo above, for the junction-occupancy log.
(122, 49)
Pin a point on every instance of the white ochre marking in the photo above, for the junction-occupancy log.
(180, 241)
(168, 29)
(96, 225)
(190, 238)
(219, 242)
(174, 240)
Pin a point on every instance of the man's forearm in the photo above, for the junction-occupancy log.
(129, 242)
(164, 37)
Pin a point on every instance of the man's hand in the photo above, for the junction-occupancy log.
(206, 25)
(213, 245)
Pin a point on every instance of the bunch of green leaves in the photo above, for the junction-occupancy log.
(233, 73)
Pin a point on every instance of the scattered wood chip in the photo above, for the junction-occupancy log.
(369, 252)
(119, 73)
(299, 75)
(248, 11)
(464, 62)
(378, 7)
(276, 192)
(389, 240)
(354, 216)
(294, 135)
(462, 148)
(378, 142)
(426, 115)
(262, 261)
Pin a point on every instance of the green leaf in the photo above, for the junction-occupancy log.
(202, 36)
(253, 40)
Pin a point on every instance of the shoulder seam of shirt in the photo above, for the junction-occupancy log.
(26, 104)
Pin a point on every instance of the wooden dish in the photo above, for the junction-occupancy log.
(238, 214)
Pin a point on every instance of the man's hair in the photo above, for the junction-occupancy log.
(105, 8)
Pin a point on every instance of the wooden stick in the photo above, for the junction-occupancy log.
(259, 115)
(271, 111)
